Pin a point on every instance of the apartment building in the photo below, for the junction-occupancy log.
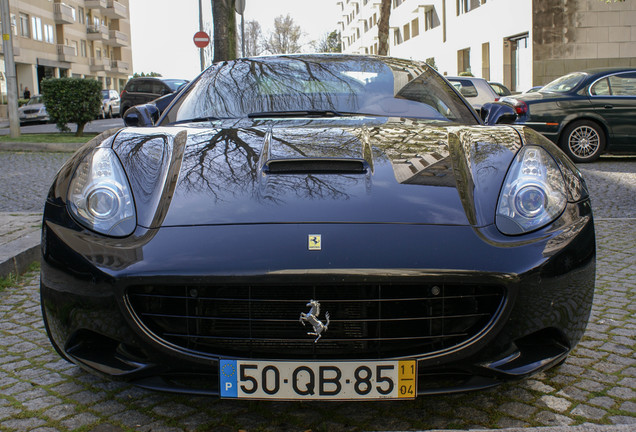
(520, 43)
(73, 38)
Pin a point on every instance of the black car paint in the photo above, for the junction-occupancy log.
(430, 247)
(212, 209)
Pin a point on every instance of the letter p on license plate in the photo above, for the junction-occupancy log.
(290, 380)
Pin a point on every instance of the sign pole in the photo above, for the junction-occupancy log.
(9, 70)
(201, 29)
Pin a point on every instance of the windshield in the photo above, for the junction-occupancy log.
(331, 85)
(105, 94)
(174, 84)
(564, 83)
(35, 100)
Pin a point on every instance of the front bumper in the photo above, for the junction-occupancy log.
(547, 277)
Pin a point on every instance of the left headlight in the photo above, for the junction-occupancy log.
(533, 194)
(99, 195)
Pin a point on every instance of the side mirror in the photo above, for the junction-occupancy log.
(141, 115)
(497, 113)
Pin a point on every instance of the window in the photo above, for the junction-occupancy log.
(430, 19)
(463, 60)
(465, 6)
(623, 85)
(406, 31)
(14, 25)
(24, 25)
(83, 48)
(98, 53)
(464, 87)
(74, 13)
(75, 47)
(80, 14)
(415, 27)
(36, 28)
(396, 3)
(397, 37)
(49, 36)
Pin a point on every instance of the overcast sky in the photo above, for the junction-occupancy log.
(162, 30)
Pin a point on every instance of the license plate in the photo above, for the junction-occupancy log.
(31, 115)
(289, 380)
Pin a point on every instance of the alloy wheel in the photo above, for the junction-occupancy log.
(584, 141)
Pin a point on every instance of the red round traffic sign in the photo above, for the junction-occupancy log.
(201, 39)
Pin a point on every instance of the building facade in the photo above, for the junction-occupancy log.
(520, 43)
(74, 38)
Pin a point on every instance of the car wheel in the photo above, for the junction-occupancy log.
(583, 141)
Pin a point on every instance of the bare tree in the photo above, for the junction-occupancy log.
(253, 36)
(224, 19)
(284, 38)
(328, 43)
(383, 27)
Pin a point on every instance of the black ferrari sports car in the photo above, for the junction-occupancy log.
(317, 227)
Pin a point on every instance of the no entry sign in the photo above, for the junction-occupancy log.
(201, 39)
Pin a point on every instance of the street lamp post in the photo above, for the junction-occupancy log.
(9, 70)
(239, 5)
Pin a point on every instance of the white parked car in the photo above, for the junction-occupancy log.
(110, 104)
(33, 111)
(477, 91)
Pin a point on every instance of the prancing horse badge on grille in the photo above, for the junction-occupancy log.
(312, 318)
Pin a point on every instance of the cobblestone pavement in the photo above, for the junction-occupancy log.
(596, 385)
(25, 178)
(612, 185)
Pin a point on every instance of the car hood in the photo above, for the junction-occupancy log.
(31, 107)
(344, 170)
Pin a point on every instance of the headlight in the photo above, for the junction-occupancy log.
(533, 194)
(99, 195)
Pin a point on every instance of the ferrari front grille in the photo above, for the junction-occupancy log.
(365, 321)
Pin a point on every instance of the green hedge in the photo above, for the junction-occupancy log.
(72, 100)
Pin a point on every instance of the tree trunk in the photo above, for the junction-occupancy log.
(224, 21)
(80, 129)
(383, 27)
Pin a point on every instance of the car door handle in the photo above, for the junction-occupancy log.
(608, 106)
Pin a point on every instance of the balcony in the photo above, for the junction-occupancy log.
(118, 38)
(97, 32)
(63, 14)
(116, 10)
(66, 53)
(119, 66)
(100, 64)
(96, 4)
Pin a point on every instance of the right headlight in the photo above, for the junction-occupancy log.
(99, 196)
(533, 194)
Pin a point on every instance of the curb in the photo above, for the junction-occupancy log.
(20, 262)
(19, 242)
(51, 147)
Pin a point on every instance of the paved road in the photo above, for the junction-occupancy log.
(596, 385)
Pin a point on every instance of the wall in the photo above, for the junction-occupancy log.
(571, 35)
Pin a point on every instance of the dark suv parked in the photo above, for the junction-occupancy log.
(143, 90)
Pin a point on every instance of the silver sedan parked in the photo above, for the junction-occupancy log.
(477, 91)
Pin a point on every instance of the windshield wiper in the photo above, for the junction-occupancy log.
(301, 113)
(196, 120)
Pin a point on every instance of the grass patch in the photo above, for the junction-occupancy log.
(49, 138)
(19, 280)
